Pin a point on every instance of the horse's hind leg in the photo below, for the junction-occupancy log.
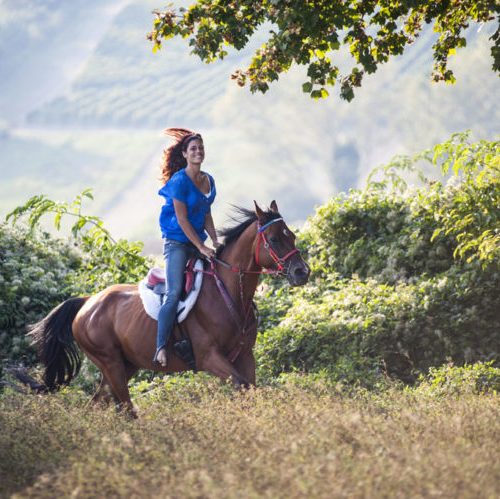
(102, 394)
(116, 372)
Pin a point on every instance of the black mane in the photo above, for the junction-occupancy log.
(242, 218)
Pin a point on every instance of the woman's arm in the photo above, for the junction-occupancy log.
(182, 217)
(210, 228)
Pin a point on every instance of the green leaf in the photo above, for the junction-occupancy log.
(307, 87)
(57, 220)
(88, 193)
(436, 233)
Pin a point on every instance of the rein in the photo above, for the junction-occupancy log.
(230, 304)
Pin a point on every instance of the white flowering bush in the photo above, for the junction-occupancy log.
(36, 273)
(361, 329)
(104, 261)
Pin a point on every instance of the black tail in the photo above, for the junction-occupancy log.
(53, 336)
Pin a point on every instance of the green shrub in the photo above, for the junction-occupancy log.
(392, 236)
(361, 328)
(104, 261)
(471, 211)
(375, 234)
(478, 378)
(402, 279)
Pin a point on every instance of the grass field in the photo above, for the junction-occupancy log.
(198, 438)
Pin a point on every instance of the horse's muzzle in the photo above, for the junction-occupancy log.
(298, 273)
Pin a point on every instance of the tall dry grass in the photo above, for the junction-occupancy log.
(201, 439)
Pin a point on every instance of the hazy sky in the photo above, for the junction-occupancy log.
(81, 89)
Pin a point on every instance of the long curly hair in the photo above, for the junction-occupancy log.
(173, 160)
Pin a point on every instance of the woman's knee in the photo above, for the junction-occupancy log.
(173, 294)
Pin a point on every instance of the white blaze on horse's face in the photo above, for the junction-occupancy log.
(195, 152)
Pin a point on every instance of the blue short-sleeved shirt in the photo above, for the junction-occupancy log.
(182, 188)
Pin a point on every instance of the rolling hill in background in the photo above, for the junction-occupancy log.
(83, 102)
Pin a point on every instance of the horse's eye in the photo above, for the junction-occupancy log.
(286, 232)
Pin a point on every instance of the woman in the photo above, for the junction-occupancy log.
(185, 220)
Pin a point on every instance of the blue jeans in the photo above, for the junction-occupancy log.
(176, 256)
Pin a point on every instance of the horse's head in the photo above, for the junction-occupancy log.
(275, 247)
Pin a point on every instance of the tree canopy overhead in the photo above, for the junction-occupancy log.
(308, 32)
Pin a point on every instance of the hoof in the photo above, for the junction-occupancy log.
(128, 409)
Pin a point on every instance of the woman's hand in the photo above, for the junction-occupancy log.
(206, 251)
(216, 244)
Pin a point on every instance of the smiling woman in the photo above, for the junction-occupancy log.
(185, 221)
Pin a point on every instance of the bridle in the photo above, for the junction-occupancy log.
(261, 238)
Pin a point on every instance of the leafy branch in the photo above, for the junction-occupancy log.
(38, 206)
(106, 260)
(470, 211)
(392, 173)
(473, 213)
(310, 33)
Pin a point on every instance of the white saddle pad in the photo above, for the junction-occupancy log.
(152, 301)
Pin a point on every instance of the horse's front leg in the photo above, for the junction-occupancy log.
(216, 363)
(245, 364)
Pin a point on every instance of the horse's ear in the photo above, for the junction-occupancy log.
(274, 206)
(258, 211)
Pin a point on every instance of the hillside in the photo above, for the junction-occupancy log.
(44, 46)
(101, 98)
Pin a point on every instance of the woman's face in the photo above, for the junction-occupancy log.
(195, 152)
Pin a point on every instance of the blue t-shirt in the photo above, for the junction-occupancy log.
(182, 188)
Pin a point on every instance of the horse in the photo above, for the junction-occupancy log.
(113, 330)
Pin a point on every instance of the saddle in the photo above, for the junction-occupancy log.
(152, 290)
(155, 279)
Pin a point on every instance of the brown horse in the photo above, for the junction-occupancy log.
(117, 335)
